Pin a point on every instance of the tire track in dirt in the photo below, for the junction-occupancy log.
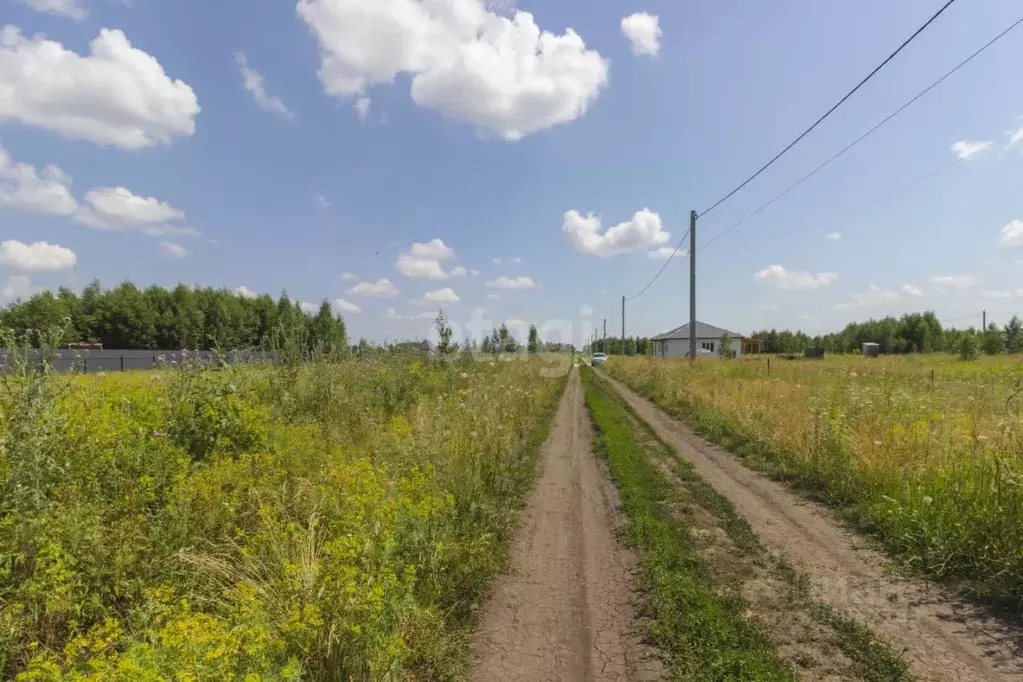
(567, 609)
(941, 636)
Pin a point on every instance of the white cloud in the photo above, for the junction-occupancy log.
(322, 201)
(965, 149)
(770, 307)
(514, 261)
(498, 73)
(420, 268)
(118, 95)
(343, 306)
(24, 189)
(876, 296)
(791, 280)
(425, 315)
(586, 310)
(459, 271)
(644, 33)
(308, 308)
(173, 250)
(165, 230)
(1011, 235)
(445, 295)
(71, 9)
(252, 81)
(1000, 294)
(18, 287)
(1014, 138)
(246, 292)
(392, 314)
(496, 261)
(435, 249)
(644, 231)
(349, 276)
(493, 297)
(423, 260)
(117, 208)
(833, 236)
(665, 252)
(36, 257)
(382, 288)
(362, 107)
(511, 283)
(475, 273)
(958, 282)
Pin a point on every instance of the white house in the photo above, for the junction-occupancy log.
(675, 344)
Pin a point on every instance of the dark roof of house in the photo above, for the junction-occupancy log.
(703, 331)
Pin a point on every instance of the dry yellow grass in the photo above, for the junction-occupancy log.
(925, 451)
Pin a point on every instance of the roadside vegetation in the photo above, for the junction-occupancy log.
(701, 628)
(338, 519)
(925, 451)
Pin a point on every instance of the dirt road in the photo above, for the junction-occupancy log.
(566, 610)
(941, 637)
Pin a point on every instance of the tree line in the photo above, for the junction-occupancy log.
(129, 318)
(634, 345)
(911, 333)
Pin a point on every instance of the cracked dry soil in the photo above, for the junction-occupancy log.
(566, 610)
(941, 636)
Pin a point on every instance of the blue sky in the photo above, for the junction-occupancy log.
(166, 169)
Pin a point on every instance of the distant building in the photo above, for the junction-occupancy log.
(675, 344)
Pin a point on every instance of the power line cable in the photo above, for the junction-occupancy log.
(794, 142)
(871, 131)
(961, 317)
(663, 267)
(872, 200)
(831, 110)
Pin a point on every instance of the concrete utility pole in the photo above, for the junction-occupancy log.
(605, 337)
(623, 325)
(983, 325)
(692, 287)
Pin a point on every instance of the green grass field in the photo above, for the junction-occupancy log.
(338, 520)
(925, 452)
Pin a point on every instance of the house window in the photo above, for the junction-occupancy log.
(707, 345)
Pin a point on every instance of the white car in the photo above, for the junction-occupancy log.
(597, 359)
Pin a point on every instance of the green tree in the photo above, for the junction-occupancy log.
(182, 317)
(725, 346)
(967, 347)
(534, 340)
(327, 332)
(1014, 335)
(445, 347)
(505, 341)
(993, 340)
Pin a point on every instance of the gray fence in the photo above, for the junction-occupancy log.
(90, 361)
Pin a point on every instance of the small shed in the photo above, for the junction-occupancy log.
(871, 350)
(813, 353)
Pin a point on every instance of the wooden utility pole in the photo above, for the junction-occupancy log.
(692, 287)
(605, 337)
(623, 325)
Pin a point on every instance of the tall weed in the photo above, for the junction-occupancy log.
(184, 523)
(925, 452)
